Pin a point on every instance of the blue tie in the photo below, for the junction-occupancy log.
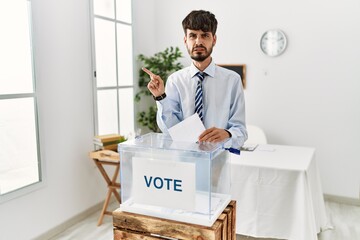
(198, 96)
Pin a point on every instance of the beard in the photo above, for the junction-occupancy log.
(200, 56)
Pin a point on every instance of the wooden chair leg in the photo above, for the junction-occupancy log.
(106, 203)
(112, 185)
(116, 185)
(116, 194)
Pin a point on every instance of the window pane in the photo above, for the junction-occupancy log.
(125, 55)
(114, 66)
(107, 112)
(126, 112)
(105, 53)
(123, 10)
(19, 165)
(104, 8)
(15, 48)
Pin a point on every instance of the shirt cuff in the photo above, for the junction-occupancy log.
(230, 135)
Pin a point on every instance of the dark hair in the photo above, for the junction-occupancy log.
(200, 20)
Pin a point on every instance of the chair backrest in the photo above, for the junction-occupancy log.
(255, 135)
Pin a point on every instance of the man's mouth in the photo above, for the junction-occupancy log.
(199, 49)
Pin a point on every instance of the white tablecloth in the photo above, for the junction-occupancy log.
(278, 193)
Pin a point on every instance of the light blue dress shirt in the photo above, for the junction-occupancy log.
(223, 99)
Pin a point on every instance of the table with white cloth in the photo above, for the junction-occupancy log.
(278, 193)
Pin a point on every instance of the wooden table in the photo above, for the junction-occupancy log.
(107, 157)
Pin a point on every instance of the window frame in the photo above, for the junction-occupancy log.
(33, 95)
(117, 87)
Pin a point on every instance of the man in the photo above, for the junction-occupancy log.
(217, 96)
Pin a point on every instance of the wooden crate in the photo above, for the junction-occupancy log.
(136, 226)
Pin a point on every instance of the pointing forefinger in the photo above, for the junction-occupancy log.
(148, 71)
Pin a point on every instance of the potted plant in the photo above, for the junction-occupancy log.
(163, 64)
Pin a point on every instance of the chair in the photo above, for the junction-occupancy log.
(102, 158)
(256, 135)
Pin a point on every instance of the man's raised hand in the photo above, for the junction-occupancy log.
(156, 84)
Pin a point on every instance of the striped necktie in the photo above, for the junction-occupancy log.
(199, 96)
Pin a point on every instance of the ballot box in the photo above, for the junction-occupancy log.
(181, 181)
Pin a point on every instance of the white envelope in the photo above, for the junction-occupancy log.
(188, 130)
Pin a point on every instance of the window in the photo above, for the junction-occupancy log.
(20, 165)
(113, 66)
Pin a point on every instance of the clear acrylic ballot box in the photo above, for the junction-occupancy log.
(181, 181)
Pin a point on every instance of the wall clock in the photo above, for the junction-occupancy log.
(273, 42)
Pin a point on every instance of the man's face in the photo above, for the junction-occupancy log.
(199, 44)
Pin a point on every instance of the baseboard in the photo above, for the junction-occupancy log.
(342, 200)
(70, 222)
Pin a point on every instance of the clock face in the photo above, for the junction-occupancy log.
(273, 42)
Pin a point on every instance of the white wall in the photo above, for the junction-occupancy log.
(309, 96)
(144, 38)
(64, 84)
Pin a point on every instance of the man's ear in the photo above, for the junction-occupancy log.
(214, 41)
(185, 40)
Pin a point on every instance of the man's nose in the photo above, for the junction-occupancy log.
(198, 40)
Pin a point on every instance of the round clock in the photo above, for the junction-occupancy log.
(273, 42)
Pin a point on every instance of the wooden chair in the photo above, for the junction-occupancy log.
(107, 157)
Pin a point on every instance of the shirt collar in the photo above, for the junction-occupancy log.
(210, 70)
